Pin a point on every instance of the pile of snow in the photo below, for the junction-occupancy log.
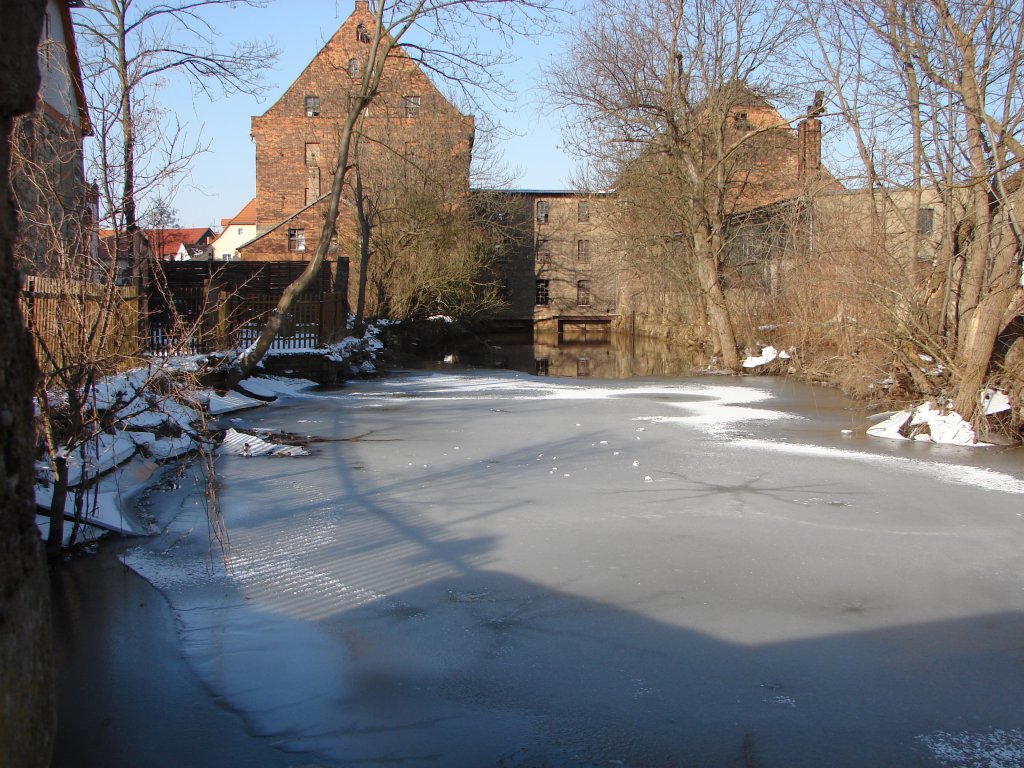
(937, 424)
(768, 354)
(927, 423)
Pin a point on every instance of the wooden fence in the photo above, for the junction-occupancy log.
(185, 314)
(72, 321)
(208, 320)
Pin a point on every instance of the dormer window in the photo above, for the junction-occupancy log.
(312, 106)
(353, 67)
(362, 33)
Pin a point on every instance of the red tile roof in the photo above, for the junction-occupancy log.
(245, 216)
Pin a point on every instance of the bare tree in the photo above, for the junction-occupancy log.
(934, 98)
(127, 47)
(659, 90)
(433, 33)
(433, 251)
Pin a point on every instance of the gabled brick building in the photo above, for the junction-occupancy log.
(297, 141)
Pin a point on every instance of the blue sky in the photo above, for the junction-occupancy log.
(223, 179)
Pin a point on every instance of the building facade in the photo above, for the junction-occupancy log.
(564, 264)
(234, 232)
(297, 142)
(56, 207)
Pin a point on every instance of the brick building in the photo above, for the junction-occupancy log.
(563, 269)
(297, 141)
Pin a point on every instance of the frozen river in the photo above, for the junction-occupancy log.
(493, 569)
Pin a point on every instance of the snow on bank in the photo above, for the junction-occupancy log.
(154, 415)
(768, 354)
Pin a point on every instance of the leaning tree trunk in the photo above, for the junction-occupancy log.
(252, 356)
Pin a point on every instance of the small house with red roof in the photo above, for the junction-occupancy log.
(239, 229)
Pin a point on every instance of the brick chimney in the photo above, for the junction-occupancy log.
(809, 133)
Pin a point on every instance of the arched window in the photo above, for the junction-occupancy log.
(353, 67)
(362, 33)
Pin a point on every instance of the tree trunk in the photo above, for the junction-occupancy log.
(987, 321)
(364, 254)
(714, 297)
(27, 706)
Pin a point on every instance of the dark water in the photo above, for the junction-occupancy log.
(127, 698)
(581, 352)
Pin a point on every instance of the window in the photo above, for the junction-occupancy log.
(582, 366)
(542, 211)
(925, 221)
(541, 366)
(353, 67)
(362, 33)
(411, 106)
(583, 211)
(240, 230)
(542, 293)
(740, 120)
(583, 293)
(296, 239)
(583, 251)
(543, 252)
(312, 106)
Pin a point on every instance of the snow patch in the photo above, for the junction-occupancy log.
(927, 423)
(241, 444)
(995, 749)
(230, 402)
(959, 474)
(768, 354)
(994, 401)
